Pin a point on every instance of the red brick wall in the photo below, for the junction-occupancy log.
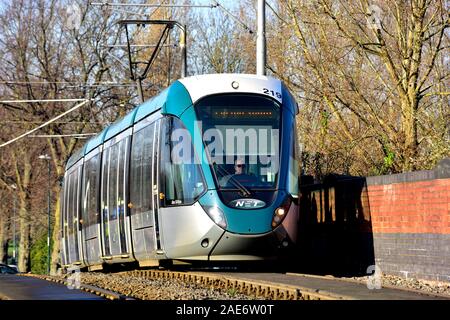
(399, 222)
(410, 207)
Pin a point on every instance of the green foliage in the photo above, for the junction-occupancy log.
(232, 292)
(10, 254)
(324, 120)
(388, 162)
(39, 255)
(10, 248)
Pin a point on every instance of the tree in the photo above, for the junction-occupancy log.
(5, 222)
(222, 41)
(372, 76)
(46, 58)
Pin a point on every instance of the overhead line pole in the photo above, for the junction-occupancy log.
(261, 39)
(183, 39)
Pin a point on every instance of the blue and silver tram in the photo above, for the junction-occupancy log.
(205, 171)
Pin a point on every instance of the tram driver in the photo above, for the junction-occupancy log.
(239, 166)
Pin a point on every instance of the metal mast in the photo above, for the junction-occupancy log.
(261, 39)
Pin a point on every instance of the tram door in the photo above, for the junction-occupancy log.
(89, 208)
(71, 216)
(144, 191)
(114, 222)
(62, 220)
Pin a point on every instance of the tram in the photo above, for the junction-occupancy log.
(205, 171)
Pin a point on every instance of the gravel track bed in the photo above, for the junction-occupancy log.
(174, 289)
(427, 286)
(158, 289)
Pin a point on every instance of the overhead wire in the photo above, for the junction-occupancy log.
(54, 82)
(41, 100)
(46, 123)
(236, 19)
(84, 101)
(73, 135)
(56, 122)
(150, 5)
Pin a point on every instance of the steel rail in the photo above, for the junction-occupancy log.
(266, 289)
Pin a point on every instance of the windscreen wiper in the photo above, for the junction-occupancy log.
(239, 185)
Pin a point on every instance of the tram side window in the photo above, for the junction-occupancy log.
(72, 207)
(90, 191)
(294, 164)
(141, 175)
(70, 203)
(61, 221)
(181, 174)
(113, 184)
(76, 203)
(67, 204)
(104, 199)
(62, 217)
(121, 158)
(112, 192)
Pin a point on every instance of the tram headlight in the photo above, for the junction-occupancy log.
(216, 215)
(280, 213)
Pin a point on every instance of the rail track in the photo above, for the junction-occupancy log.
(251, 287)
(271, 286)
(291, 286)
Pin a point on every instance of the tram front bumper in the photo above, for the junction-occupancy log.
(239, 247)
